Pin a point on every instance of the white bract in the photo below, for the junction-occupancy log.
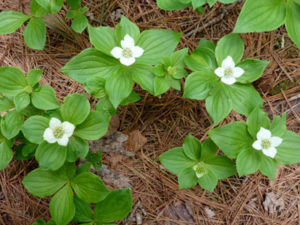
(129, 52)
(228, 72)
(266, 142)
(200, 169)
(58, 132)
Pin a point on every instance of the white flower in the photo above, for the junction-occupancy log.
(266, 142)
(128, 52)
(228, 72)
(58, 132)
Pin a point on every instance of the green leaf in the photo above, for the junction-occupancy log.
(90, 63)
(35, 33)
(104, 106)
(292, 23)
(51, 156)
(6, 155)
(10, 21)
(157, 43)
(45, 98)
(34, 76)
(256, 120)
(74, 4)
(89, 187)
(127, 27)
(259, 16)
(172, 4)
(198, 85)
(278, 126)
(70, 110)
(244, 98)
(230, 45)
(83, 212)
(187, 178)
(94, 127)
(43, 183)
(142, 74)
(221, 166)
(175, 160)
(161, 85)
(218, 105)
(253, 68)
(103, 38)
(116, 206)
(44, 3)
(248, 161)
(12, 80)
(37, 10)
(209, 150)
(192, 147)
(118, 87)
(34, 128)
(79, 23)
(201, 59)
(5, 104)
(77, 148)
(96, 87)
(288, 152)
(198, 3)
(21, 100)
(11, 124)
(231, 138)
(132, 98)
(208, 181)
(62, 208)
(268, 167)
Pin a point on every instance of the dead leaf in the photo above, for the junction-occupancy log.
(135, 141)
(273, 204)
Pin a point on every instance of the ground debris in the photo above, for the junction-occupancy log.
(135, 141)
(273, 204)
(210, 213)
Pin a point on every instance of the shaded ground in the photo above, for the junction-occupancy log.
(165, 122)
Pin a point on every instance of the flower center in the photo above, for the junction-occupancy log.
(229, 72)
(200, 169)
(266, 143)
(127, 53)
(58, 132)
(171, 70)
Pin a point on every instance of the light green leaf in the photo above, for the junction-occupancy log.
(116, 206)
(10, 21)
(253, 70)
(289, 152)
(35, 33)
(292, 22)
(94, 127)
(62, 208)
(248, 161)
(43, 183)
(192, 148)
(34, 76)
(70, 110)
(259, 16)
(142, 74)
(244, 98)
(83, 212)
(157, 43)
(5, 104)
(21, 100)
(268, 166)
(6, 155)
(45, 98)
(77, 148)
(161, 85)
(172, 4)
(79, 23)
(221, 166)
(12, 80)
(208, 181)
(209, 150)
(37, 10)
(201, 59)
(231, 138)
(11, 124)
(278, 126)
(187, 178)
(89, 187)
(127, 27)
(90, 63)
(256, 120)
(230, 45)
(198, 85)
(218, 105)
(34, 128)
(51, 156)
(175, 160)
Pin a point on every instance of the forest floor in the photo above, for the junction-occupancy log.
(155, 125)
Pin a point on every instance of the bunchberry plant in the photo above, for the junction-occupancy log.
(62, 135)
(222, 78)
(197, 162)
(181, 4)
(258, 144)
(169, 72)
(267, 15)
(121, 56)
(72, 190)
(77, 13)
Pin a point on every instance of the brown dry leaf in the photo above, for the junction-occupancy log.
(115, 159)
(272, 203)
(135, 141)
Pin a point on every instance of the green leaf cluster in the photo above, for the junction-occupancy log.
(197, 162)
(205, 84)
